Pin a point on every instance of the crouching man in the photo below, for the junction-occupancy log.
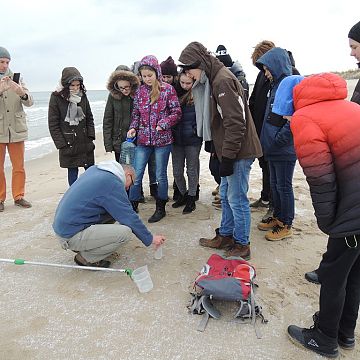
(82, 216)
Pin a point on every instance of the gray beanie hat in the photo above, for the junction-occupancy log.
(4, 53)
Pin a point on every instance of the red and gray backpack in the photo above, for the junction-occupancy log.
(230, 279)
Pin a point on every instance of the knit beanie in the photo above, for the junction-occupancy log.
(284, 98)
(223, 56)
(354, 32)
(70, 74)
(168, 67)
(4, 53)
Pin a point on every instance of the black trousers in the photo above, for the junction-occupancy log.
(339, 273)
(265, 192)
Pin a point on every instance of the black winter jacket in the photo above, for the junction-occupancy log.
(75, 142)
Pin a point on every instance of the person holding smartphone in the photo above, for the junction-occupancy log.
(13, 130)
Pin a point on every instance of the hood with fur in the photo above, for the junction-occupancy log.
(122, 75)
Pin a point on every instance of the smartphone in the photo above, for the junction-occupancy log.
(16, 77)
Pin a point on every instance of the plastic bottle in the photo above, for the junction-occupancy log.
(158, 253)
(127, 153)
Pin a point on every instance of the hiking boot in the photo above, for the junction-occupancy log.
(22, 203)
(190, 205)
(239, 250)
(2, 207)
(135, 206)
(279, 232)
(82, 262)
(159, 212)
(260, 203)
(344, 342)
(269, 213)
(218, 242)
(267, 224)
(181, 201)
(215, 191)
(315, 340)
(312, 277)
(153, 190)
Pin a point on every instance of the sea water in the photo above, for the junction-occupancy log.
(39, 141)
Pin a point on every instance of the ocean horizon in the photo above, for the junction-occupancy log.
(40, 143)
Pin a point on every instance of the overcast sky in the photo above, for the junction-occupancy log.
(95, 36)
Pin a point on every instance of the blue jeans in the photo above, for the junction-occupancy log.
(152, 169)
(73, 174)
(235, 216)
(142, 155)
(281, 174)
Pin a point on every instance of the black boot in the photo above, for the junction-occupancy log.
(153, 190)
(181, 201)
(190, 205)
(177, 193)
(135, 205)
(159, 212)
(197, 193)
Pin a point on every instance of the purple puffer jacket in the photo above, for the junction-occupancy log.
(165, 112)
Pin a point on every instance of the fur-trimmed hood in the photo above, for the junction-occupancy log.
(122, 75)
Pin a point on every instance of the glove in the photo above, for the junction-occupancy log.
(226, 167)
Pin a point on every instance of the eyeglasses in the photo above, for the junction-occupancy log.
(124, 88)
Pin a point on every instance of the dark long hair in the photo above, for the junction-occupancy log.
(65, 92)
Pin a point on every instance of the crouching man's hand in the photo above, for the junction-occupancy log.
(158, 240)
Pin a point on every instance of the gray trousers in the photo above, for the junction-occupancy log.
(191, 154)
(98, 241)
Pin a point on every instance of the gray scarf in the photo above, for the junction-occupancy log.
(202, 92)
(74, 112)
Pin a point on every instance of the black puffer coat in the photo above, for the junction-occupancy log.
(117, 115)
(75, 142)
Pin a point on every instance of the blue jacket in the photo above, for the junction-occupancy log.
(185, 132)
(276, 138)
(96, 193)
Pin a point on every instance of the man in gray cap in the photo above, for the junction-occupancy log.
(13, 130)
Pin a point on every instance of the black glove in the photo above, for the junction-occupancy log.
(226, 166)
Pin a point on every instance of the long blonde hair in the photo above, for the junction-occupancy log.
(155, 89)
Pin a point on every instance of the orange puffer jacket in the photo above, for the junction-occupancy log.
(326, 130)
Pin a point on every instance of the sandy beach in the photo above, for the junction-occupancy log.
(77, 314)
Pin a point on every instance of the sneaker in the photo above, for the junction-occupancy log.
(2, 208)
(218, 242)
(82, 262)
(23, 203)
(267, 224)
(312, 277)
(279, 232)
(215, 191)
(239, 250)
(259, 204)
(315, 340)
(345, 342)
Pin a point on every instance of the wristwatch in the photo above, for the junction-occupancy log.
(24, 97)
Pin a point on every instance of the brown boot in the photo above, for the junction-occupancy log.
(218, 242)
(239, 250)
(279, 232)
(267, 224)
